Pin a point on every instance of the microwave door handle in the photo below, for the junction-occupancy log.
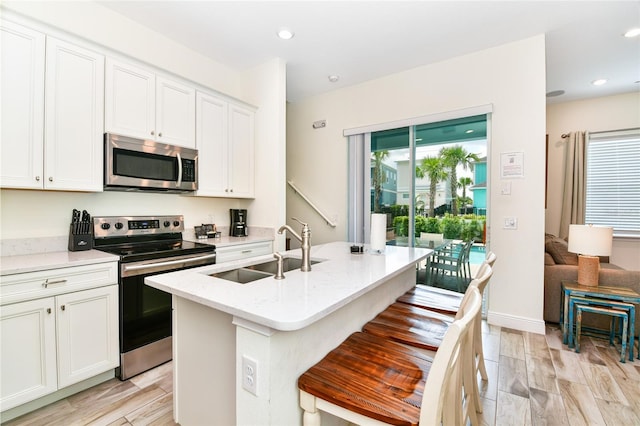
(179, 170)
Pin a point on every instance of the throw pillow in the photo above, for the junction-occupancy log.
(558, 249)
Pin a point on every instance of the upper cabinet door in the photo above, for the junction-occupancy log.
(74, 117)
(211, 142)
(130, 100)
(175, 113)
(22, 106)
(241, 147)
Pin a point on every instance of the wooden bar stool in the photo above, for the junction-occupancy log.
(446, 303)
(605, 311)
(369, 380)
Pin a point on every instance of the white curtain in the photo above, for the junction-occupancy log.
(573, 197)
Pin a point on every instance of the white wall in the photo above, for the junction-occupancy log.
(593, 115)
(266, 86)
(47, 213)
(512, 78)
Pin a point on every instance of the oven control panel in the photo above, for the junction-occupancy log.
(122, 226)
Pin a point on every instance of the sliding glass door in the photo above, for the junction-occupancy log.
(431, 179)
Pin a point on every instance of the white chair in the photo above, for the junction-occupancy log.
(372, 380)
(448, 302)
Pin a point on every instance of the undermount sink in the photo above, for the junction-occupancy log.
(241, 276)
(251, 273)
(288, 264)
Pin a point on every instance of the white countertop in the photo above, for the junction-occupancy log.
(10, 265)
(302, 297)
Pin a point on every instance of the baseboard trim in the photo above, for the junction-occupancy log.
(516, 323)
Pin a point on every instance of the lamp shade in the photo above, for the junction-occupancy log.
(590, 240)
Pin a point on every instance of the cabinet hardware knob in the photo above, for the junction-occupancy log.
(160, 134)
(226, 190)
(50, 178)
(48, 310)
(153, 133)
(231, 190)
(37, 178)
(62, 307)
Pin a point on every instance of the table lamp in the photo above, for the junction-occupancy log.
(589, 242)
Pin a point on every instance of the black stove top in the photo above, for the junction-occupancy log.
(133, 252)
(139, 238)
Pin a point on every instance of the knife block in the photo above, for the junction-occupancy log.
(79, 242)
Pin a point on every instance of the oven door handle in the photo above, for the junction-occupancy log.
(132, 268)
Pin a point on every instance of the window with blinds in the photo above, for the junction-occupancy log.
(613, 181)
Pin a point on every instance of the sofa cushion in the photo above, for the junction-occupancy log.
(558, 249)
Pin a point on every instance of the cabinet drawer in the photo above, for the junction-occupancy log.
(34, 285)
(243, 251)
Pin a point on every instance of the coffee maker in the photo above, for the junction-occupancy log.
(238, 223)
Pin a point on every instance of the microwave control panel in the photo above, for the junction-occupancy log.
(188, 170)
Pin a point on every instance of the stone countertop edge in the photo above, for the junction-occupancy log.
(10, 265)
(302, 298)
(42, 261)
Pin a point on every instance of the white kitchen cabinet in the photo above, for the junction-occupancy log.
(58, 327)
(241, 151)
(243, 251)
(22, 53)
(74, 117)
(225, 143)
(28, 351)
(87, 330)
(141, 104)
(52, 113)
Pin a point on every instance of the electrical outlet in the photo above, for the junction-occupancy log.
(250, 374)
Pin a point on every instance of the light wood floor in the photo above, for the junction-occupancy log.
(533, 380)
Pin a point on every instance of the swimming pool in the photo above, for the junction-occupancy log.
(477, 255)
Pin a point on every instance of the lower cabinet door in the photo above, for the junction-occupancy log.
(87, 333)
(27, 351)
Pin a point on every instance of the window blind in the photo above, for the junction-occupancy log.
(613, 181)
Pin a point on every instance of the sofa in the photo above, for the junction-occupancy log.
(561, 265)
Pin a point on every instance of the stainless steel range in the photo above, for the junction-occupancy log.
(146, 245)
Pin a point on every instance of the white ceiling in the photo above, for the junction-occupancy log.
(363, 40)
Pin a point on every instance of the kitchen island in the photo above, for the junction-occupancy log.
(281, 327)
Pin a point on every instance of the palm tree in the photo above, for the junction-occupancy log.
(379, 178)
(453, 157)
(464, 183)
(434, 169)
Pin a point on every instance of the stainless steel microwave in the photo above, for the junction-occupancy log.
(143, 165)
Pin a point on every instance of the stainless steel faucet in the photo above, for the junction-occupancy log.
(304, 240)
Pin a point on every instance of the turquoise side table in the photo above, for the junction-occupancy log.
(620, 294)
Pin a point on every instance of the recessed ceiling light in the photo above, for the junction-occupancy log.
(633, 32)
(285, 34)
(599, 82)
(469, 131)
(555, 93)
(333, 78)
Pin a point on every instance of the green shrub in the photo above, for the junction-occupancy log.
(433, 226)
(401, 226)
(451, 227)
(471, 231)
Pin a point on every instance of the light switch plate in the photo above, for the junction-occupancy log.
(510, 222)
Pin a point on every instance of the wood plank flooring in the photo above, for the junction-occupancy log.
(533, 380)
